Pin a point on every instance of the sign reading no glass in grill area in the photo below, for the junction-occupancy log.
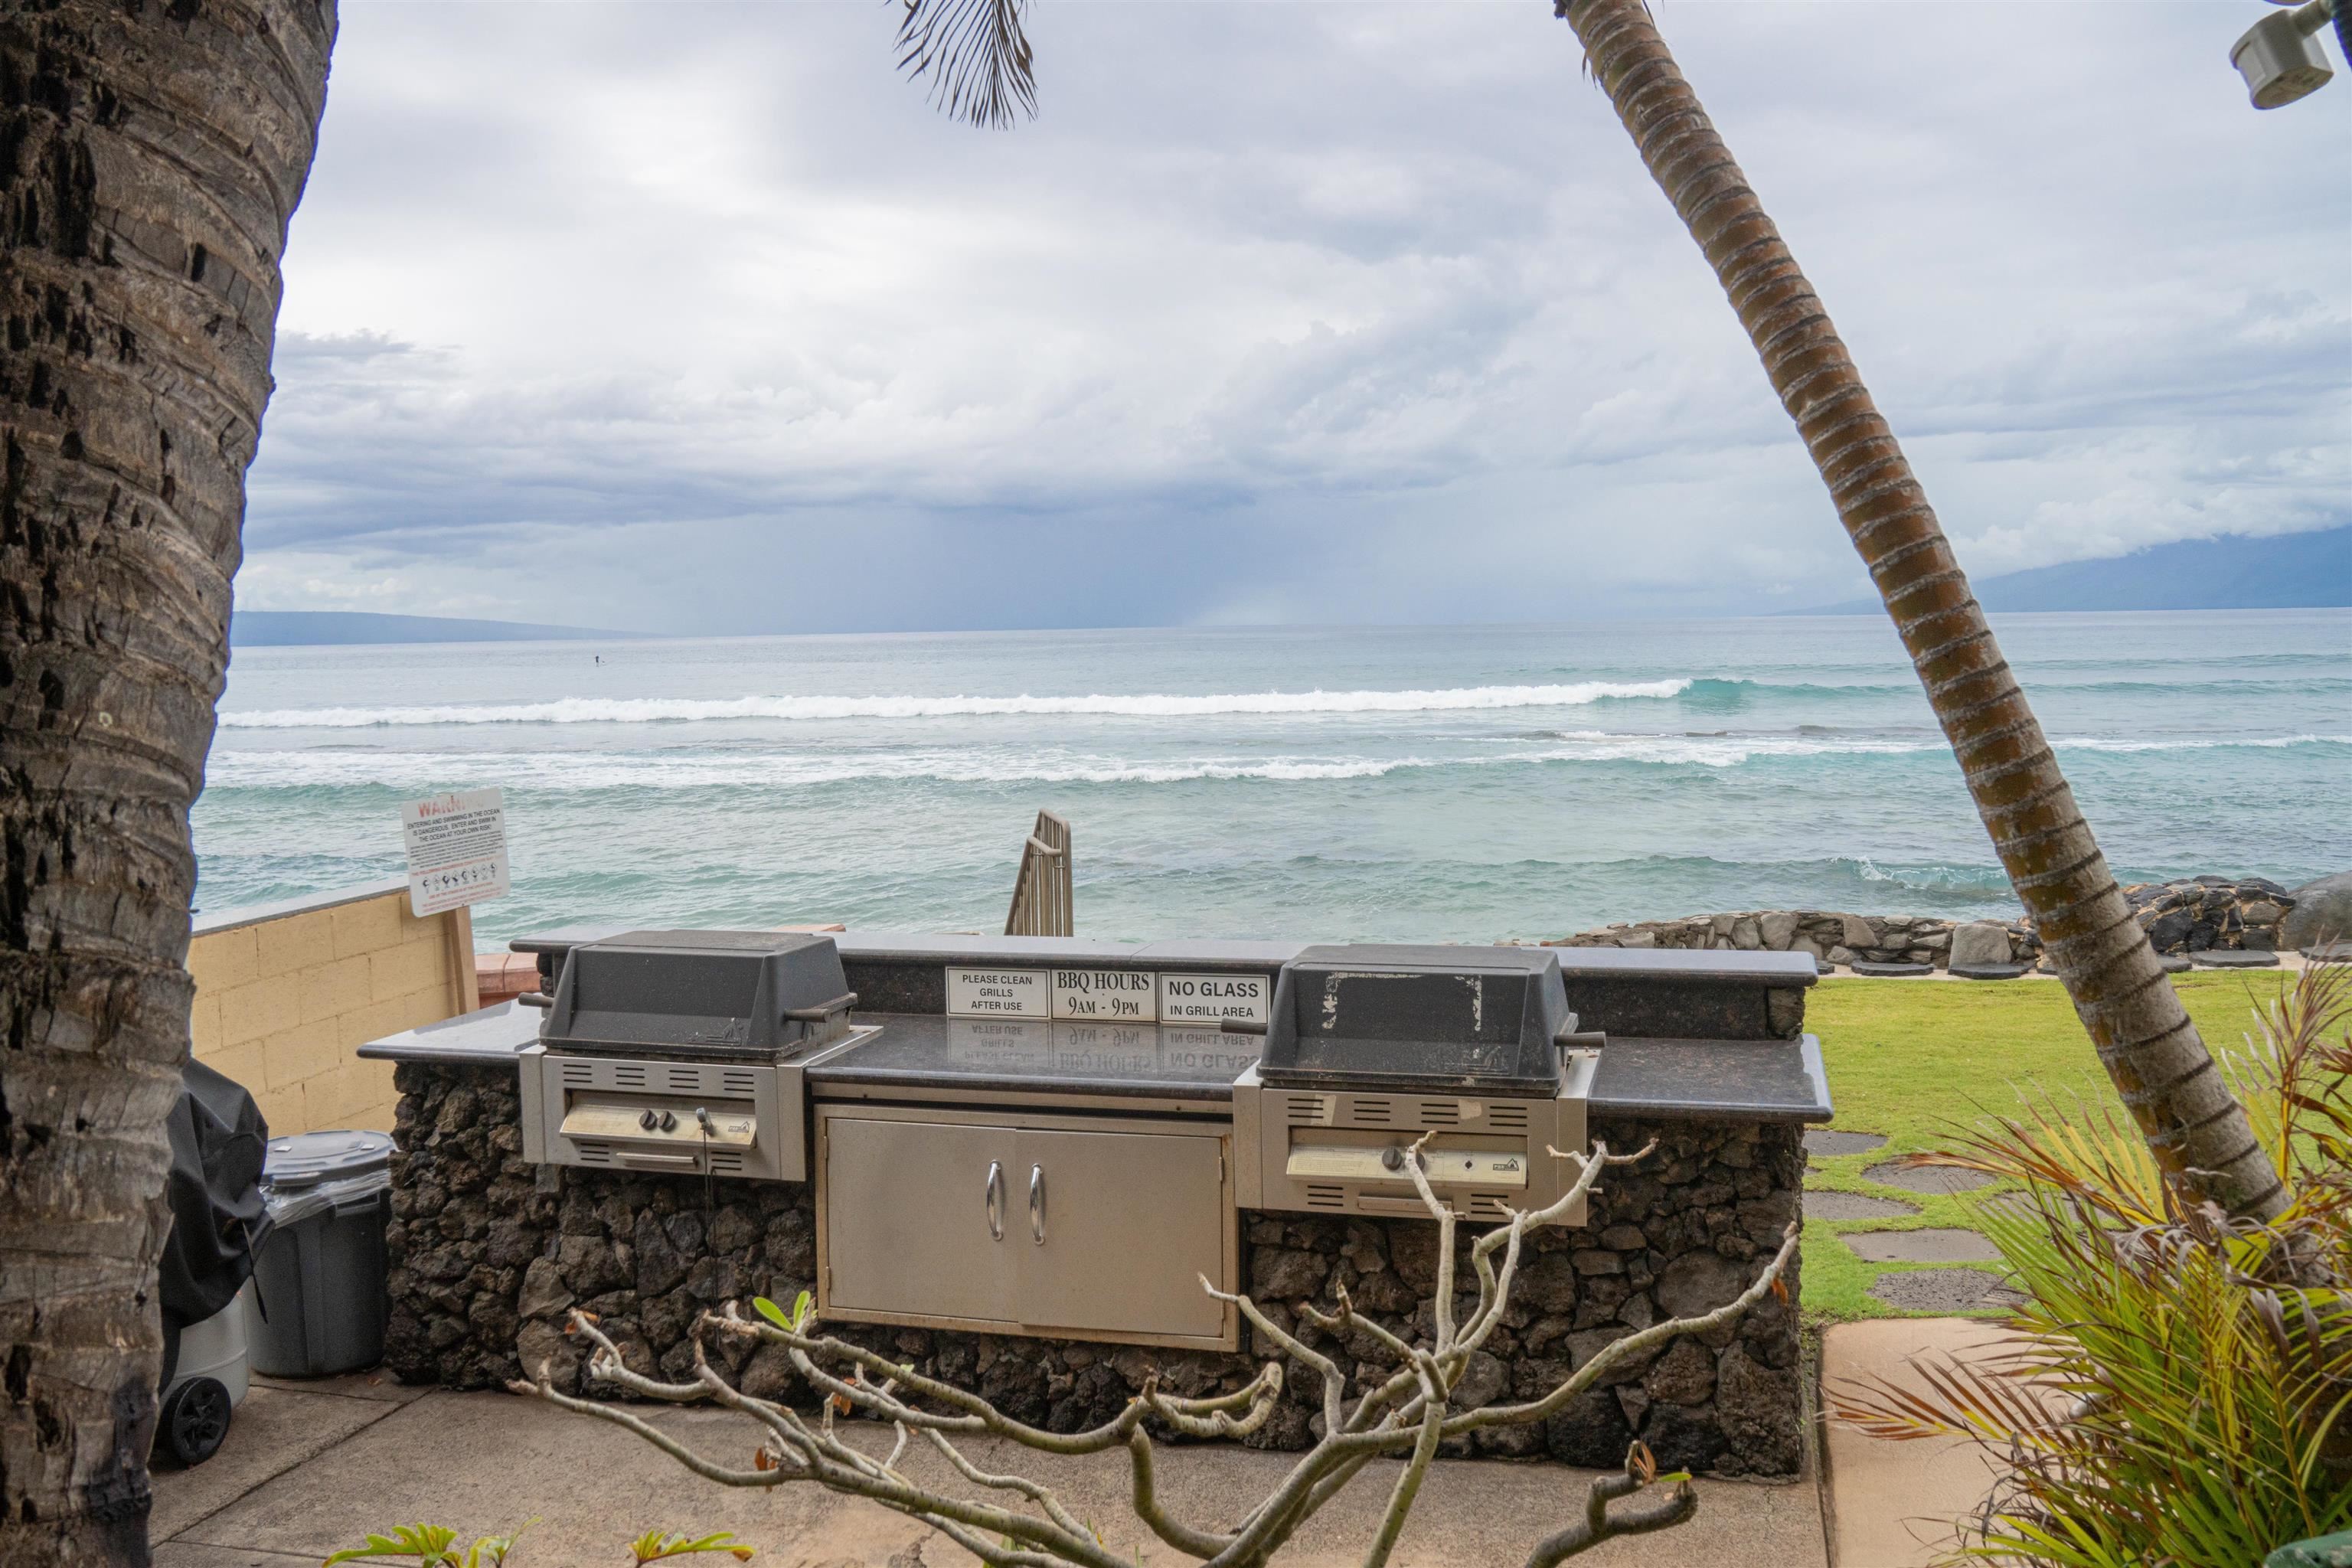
(456, 849)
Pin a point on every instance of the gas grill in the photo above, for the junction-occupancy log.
(1369, 1048)
(682, 1051)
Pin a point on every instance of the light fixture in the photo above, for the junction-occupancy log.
(2280, 59)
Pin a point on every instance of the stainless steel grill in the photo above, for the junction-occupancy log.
(683, 1051)
(1469, 1052)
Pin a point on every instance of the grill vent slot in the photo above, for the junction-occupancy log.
(685, 1080)
(1321, 1197)
(1488, 1205)
(1305, 1110)
(579, 1072)
(628, 1077)
(592, 1153)
(1440, 1113)
(1508, 1117)
(1370, 1110)
(739, 1084)
(725, 1160)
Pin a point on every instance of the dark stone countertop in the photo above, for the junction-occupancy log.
(473, 1039)
(920, 1051)
(1732, 1080)
(1738, 1080)
(1674, 964)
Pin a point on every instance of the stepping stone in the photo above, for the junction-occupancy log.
(1890, 970)
(2173, 963)
(1821, 1140)
(1938, 1245)
(2232, 958)
(1854, 1206)
(1945, 1290)
(1926, 1178)
(1989, 970)
(2329, 952)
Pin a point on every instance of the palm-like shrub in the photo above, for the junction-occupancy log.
(2178, 1389)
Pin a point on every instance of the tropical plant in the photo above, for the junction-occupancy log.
(151, 154)
(1407, 1416)
(2178, 1389)
(435, 1546)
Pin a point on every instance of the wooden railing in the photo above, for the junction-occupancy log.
(1041, 897)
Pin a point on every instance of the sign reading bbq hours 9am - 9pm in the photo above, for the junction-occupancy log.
(1107, 995)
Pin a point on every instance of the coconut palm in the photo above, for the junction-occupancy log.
(150, 153)
(2160, 1067)
(979, 65)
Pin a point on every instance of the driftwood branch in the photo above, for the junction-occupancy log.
(1406, 1416)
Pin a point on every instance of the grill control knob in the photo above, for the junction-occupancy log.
(647, 1121)
(668, 1121)
(1392, 1158)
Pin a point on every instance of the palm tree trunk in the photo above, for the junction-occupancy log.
(2144, 1037)
(150, 153)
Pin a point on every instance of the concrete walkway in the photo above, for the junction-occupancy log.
(311, 1466)
(1892, 1504)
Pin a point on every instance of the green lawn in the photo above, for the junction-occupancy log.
(1910, 1058)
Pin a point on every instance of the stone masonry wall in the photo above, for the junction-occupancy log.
(2190, 915)
(484, 1261)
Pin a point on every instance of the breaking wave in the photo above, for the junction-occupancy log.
(681, 710)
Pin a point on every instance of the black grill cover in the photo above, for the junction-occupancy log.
(214, 1188)
(711, 995)
(1476, 1020)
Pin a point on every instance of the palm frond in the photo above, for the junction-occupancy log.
(976, 56)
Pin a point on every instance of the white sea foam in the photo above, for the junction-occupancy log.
(2265, 742)
(1149, 705)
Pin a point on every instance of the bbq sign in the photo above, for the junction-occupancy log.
(456, 849)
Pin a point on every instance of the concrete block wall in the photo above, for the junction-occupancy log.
(285, 994)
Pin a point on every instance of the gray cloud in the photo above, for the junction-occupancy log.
(636, 315)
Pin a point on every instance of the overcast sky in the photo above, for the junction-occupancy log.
(683, 317)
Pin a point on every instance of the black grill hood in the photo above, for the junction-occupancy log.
(708, 995)
(1468, 1020)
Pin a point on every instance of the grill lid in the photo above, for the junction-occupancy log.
(1477, 1020)
(702, 996)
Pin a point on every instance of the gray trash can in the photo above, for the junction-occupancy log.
(319, 1277)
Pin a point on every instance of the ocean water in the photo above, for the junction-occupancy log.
(1460, 784)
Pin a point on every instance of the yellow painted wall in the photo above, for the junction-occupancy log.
(285, 995)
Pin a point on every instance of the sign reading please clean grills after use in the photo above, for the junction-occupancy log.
(456, 849)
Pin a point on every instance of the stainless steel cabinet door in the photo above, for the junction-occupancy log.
(1114, 1230)
(912, 1224)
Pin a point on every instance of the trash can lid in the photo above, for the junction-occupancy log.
(306, 1159)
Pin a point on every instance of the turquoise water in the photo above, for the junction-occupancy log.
(1459, 783)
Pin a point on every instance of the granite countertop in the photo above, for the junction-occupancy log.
(488, 1038)
(1165, 1061)
(1767, 1080)
(1745, 1080)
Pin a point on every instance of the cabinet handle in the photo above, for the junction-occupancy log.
(1038, 1204)
(995, 1201)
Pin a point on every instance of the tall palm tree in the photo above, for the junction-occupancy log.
(2143, 1035)
(980, 67)
(151, 154)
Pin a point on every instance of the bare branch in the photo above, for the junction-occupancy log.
(1408, 1416)
(1599, 1525)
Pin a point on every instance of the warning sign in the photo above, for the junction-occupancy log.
(456, 849)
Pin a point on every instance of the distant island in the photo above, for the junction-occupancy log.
(287, 628)
(2279, 572)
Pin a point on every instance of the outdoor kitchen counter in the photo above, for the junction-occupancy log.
(1737, 1080)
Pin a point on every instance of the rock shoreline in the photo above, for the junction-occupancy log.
(2189, 914)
